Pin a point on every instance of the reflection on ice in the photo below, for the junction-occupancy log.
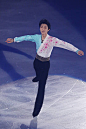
(24, 127)
(33, 123)
(64, 104)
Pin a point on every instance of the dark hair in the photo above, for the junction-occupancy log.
(44, 21)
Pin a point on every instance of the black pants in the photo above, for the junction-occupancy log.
(42, 69)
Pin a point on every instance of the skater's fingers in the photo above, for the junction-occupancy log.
(7, 41)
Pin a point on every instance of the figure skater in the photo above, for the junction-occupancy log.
(44, 47)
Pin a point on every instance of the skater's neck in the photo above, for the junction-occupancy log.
(44, 36)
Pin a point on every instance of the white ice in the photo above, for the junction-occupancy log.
(64, 105)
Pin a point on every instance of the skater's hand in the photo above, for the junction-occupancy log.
(80, 53)
(9, 40)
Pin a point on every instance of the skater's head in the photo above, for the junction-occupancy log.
(44, 21)
(44, 26)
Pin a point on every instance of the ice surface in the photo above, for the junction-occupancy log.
(64, 105)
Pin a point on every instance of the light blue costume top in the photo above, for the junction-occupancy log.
(34, 38)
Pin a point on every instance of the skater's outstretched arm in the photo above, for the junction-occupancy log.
(32, 38)
(68, 46)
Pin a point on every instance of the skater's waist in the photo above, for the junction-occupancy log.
(42, 58)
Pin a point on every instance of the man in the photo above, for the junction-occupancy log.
(44, 47)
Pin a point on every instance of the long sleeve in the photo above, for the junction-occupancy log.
(25, 38)
(62, 44)
(34, 38)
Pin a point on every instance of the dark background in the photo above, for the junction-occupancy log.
(21, 17)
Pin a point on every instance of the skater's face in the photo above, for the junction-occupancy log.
(44, 29)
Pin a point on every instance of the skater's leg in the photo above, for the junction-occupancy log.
(36, 65)
(41, 89)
